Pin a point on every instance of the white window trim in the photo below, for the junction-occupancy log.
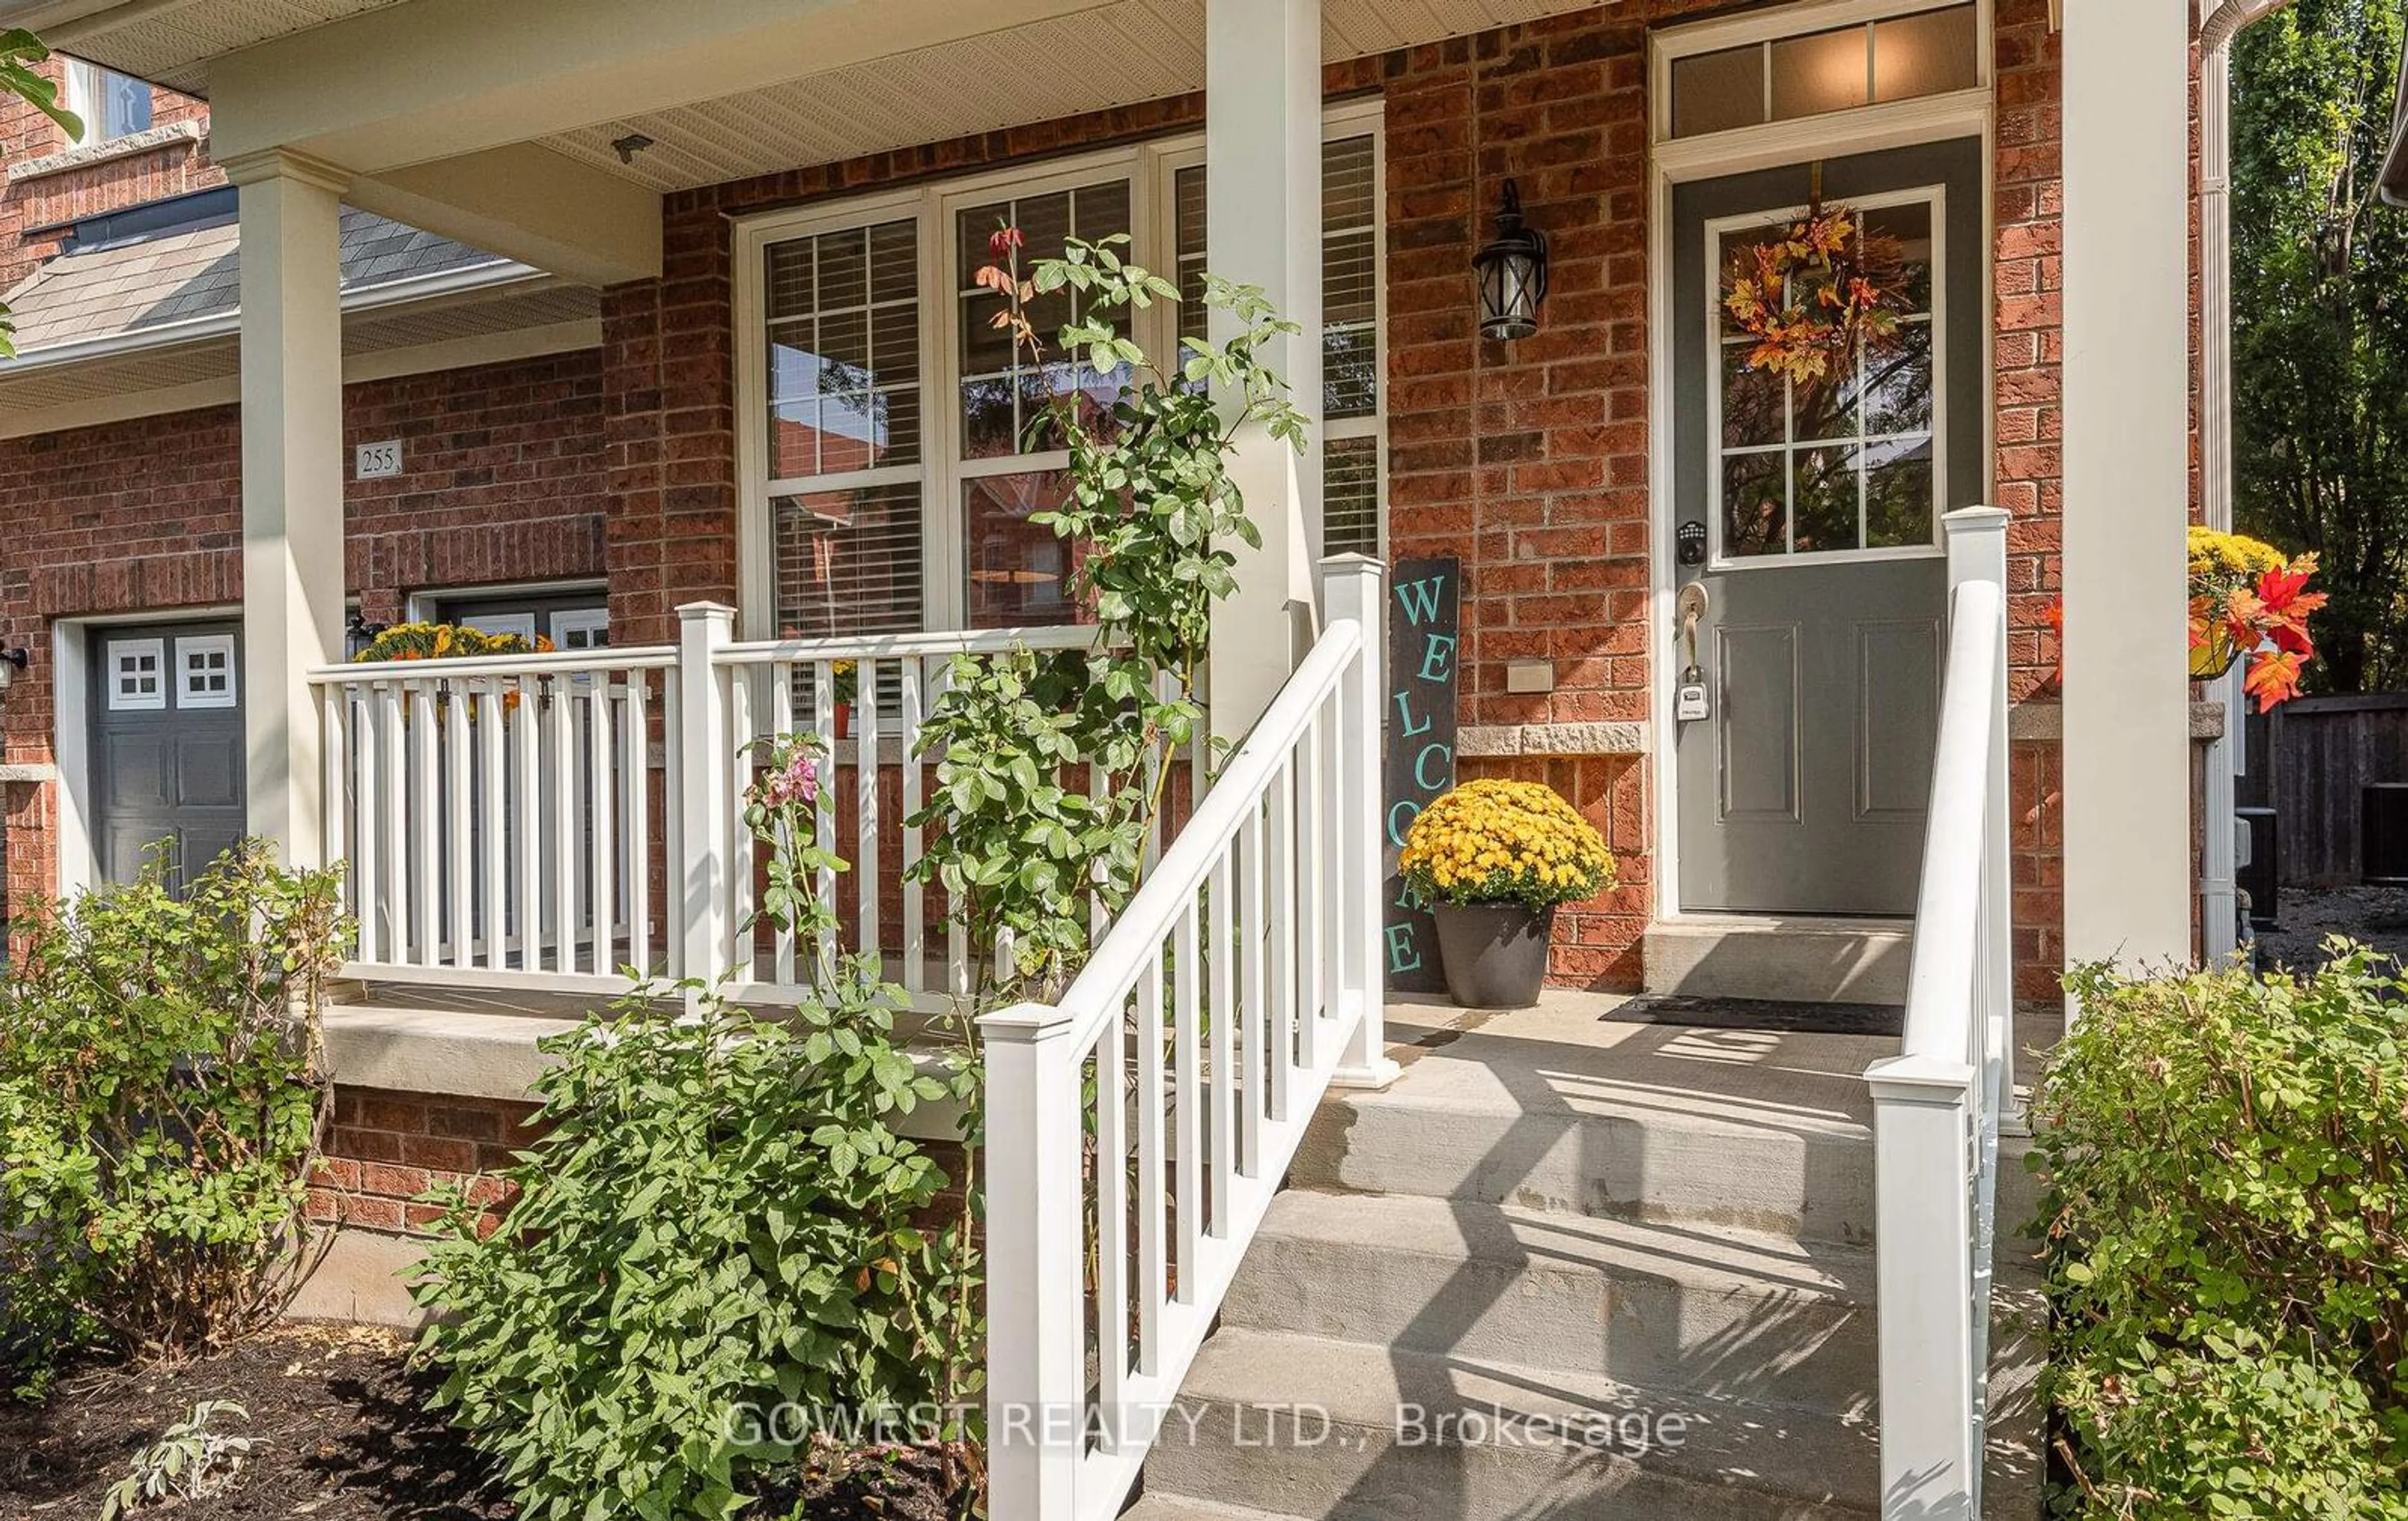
(579, 621)
(419, 608)
(121, 701)
(940, 473)
(1721, 561)
(193, 644)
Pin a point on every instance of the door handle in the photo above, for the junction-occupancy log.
(1691, 701)
(1691, 607)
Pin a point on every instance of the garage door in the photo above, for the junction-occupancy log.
(166, 745)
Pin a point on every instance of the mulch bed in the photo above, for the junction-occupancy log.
(345, 1426)
(346, 1437)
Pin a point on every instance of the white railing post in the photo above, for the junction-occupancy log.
(1353, 589)
(1924, 1263)
(1036, 1331)
(1977, 552)
(705, 797)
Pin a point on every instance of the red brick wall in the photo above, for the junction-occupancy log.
(30, 210)
(387, 1149)
(1530, 460)
(503, 480)
(2028, 356)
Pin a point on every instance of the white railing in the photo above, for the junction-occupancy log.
(1936, 1104)
(553, 821)
(492, 814)
(875, 780)
(1138, 1129)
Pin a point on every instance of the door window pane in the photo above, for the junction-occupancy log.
(1844, 461)
(1755, 505)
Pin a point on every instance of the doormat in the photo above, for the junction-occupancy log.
(1887, 1019)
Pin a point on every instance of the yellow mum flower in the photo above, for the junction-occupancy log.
(1493, 842)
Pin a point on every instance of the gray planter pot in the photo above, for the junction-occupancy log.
(1495, 954)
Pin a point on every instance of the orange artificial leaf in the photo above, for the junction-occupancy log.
(2274, 678)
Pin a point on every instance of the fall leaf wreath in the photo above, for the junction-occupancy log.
(1810, 297)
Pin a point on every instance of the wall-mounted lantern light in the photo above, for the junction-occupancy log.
(12, 664)
(1512, 271)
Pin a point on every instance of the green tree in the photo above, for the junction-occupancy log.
(2320, 321)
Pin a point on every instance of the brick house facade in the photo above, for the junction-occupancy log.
(1532, 462)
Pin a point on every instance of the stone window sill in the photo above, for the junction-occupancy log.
(85, 155)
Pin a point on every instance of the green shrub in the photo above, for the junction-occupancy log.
(713, 1248)
(162, 1092)
(2228, 1164)
(717, 1250)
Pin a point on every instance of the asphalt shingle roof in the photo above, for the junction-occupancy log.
(195, 272)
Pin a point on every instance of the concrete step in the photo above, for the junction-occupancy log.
(1557, 1109)
(1364, 1433)
(1780, 956)
(1724, 1313)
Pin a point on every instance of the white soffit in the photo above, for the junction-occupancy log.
(1114, 56)
(1127, 53)
(172, 44)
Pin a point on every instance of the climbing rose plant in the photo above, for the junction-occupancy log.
(1053, 769)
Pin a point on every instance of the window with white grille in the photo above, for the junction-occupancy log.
(205, 674)
(843, 385)
(899, 446)
(1350, 330)
(1011, 466)
(137, 675)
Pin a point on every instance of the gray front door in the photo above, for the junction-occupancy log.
(1803, 789)
(166, 745)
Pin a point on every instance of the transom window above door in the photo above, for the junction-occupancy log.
(1847, 462)
(900, 451)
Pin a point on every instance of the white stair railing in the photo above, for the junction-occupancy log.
(1138, 1129)
(1936, 1104)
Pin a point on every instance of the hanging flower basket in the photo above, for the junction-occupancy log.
(1815, 296)
(2247, 600)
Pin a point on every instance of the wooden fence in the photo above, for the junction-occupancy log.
(2309, 759)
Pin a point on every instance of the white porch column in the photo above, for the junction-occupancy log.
(292, 484)
(1262, 114)
(2128, 873)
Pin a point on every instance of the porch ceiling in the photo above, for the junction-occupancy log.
(1115, 54)
(1130, 51)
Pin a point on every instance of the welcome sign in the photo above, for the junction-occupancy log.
(1425, 644)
